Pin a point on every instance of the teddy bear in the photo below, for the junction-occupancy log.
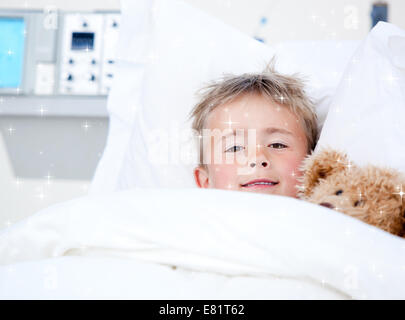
(375, 195)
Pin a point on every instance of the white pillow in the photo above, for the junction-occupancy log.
(322, 62)
(367, 113)
(125, 95)
(182, 48)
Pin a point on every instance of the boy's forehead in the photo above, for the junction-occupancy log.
(253, 112)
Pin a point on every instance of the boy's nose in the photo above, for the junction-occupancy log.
(264, 164)
(262, 156)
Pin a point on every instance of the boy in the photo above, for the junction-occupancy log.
(255, 130)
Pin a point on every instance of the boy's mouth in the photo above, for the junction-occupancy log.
(260, 183)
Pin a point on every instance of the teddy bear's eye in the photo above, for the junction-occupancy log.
(357, 203)
(339, 192)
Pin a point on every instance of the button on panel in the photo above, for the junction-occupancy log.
(88, 53)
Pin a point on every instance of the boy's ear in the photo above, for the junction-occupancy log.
(201, 177)
(319, 166)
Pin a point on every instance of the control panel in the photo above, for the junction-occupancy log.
(87, 55)
(57, 53)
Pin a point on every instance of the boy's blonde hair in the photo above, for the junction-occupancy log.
(287, 91)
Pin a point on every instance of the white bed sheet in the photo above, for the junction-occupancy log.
(269, 246)
(115, 278)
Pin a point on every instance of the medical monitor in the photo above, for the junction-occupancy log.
(12, 42)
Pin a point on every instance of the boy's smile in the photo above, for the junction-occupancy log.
(269, 164)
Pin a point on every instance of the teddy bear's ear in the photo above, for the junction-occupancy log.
(320, 165)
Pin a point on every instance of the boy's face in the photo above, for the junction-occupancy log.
(269, 164)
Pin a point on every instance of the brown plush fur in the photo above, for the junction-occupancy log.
(369, 194)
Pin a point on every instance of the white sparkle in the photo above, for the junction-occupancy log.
(11, 130)
(391, 79)
(314, 17)
(349, 165)
(153, 57)
(10, 52)
(48, 177)
(42, 110)
(85, 125)
(8, 223)
(230, 122)
(349, 80)
(41, 195)
(10, 269)
(400, 193)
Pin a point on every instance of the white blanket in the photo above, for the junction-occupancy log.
(249, 245)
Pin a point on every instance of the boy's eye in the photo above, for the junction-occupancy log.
(234, 149)
(278, 145)
(339, 192)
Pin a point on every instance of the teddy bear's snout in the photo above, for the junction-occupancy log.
(327, 205)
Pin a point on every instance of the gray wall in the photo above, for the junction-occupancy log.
(56, 147)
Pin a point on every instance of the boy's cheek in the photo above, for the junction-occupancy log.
(224, 177)
(291, 175)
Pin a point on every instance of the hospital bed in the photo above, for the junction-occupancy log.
(146, 232)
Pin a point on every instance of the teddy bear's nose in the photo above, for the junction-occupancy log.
(327, 205)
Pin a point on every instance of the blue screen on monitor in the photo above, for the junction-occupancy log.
(12, 36)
